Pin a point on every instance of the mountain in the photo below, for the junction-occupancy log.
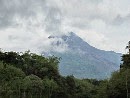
(83, 60)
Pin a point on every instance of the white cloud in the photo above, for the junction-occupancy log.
(26, 24)
(95, 23)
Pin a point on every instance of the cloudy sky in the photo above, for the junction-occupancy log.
(26, 24)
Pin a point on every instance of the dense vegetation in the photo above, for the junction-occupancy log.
(28, 75)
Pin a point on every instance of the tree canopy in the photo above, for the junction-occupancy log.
(28, 75)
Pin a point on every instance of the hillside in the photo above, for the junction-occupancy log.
(83, 60)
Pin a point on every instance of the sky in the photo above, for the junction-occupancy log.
(26, 24)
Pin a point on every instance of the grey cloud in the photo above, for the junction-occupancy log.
(34, 20)
(9, 10)
(96, 1)
(11, 37)
(119, 20)
(53, 21)
(25, 9)
(29, 23)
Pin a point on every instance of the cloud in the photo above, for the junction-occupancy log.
(53, 21)
(26, 24)
(104, 25)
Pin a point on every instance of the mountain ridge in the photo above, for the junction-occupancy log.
(85, 61)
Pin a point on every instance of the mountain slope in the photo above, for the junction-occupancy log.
(85, 61)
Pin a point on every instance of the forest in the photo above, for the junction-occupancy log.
(28, 75)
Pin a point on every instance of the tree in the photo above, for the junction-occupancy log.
(31, 63)
(117, 87)
(32, 85)
(126, 67)
(102, 89)
(84, 89)
(50, 86)
(8, 76)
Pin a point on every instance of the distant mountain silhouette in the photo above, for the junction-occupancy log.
(83, 60)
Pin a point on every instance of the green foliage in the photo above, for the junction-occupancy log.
(84, 88)
(24, 74)
(126, 61)
(28, 75)
(10, 79)
(102, 89)
(50, 87)
(119, 83)
(32, 64)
